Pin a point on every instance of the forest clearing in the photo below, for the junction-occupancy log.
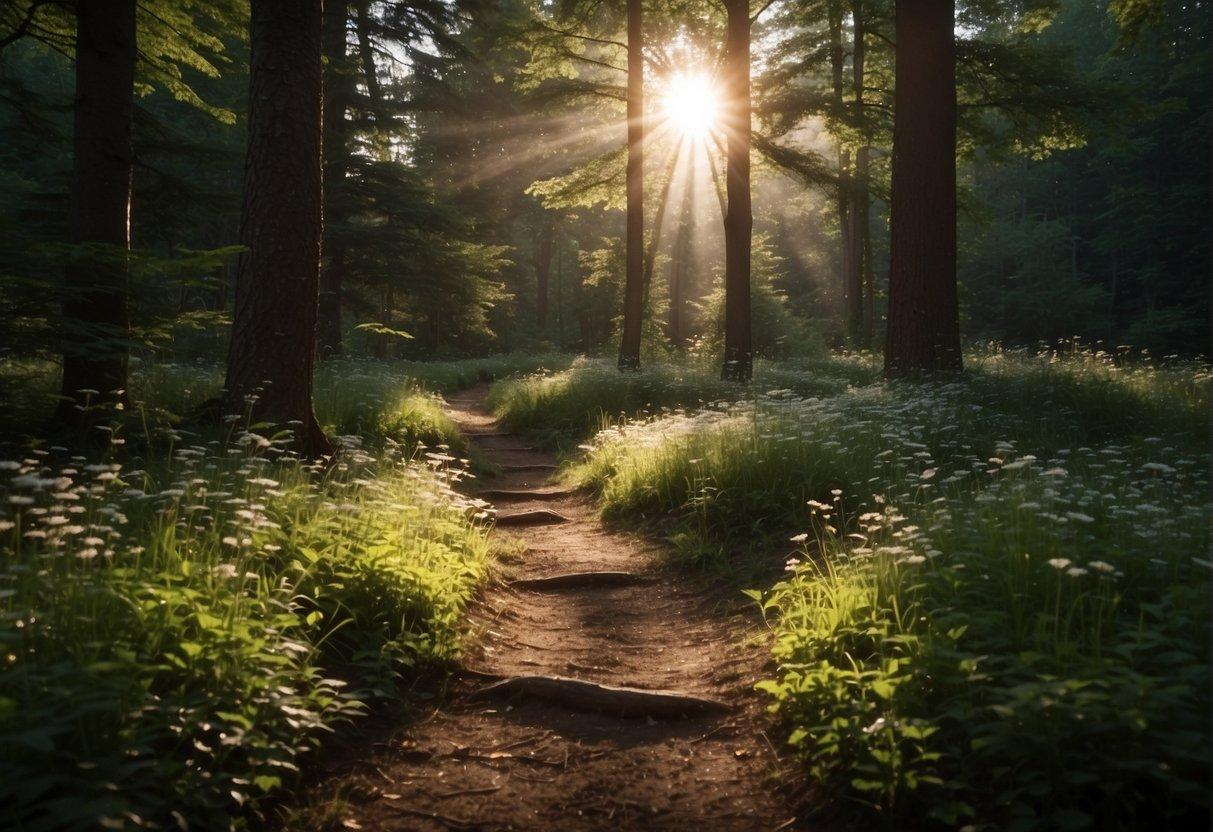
(605, 415)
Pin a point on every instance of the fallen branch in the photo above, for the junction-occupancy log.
(531, 466)
(580, 695)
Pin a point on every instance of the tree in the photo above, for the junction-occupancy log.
(543, 271)
(273, 344)
(633, 295)
(924, 327)
(96, 326)
(738, 222)
(337, 93)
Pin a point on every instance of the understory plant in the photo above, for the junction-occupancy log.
(997, 616)
(179, 630)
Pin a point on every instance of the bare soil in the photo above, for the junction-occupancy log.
(522, 762)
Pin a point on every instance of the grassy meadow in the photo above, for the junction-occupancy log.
(989, 598)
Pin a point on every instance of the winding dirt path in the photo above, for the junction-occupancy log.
(496, 762)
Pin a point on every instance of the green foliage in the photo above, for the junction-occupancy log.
(998, 613)
(164, 619)
(572, 405)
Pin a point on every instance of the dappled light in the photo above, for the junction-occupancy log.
(605, 415)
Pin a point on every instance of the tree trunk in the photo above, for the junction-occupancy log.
(847, 273)
(738, 223)
(96, 325)
(273, 346)
(336, 150)
(633, 293)
(543, 271)
(676, 330)
(560, 297)
(924, 327)
(860, 307)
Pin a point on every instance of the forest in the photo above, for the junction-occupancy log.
(605, 415)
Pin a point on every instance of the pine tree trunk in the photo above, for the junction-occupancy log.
(96, 325)
(633, 292)
(859, 305)
(738, 223)
(842, 197)
(924, 327)
(543, 272)
(336, 150)
(273, 344)
(676, 330)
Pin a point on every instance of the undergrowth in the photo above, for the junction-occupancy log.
(998, 613)
(184, 616)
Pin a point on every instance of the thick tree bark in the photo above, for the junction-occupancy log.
(543, 272)
(273, 346)
(924, 327)
(96, 323)
(633, 293)
(738, 222)
(336, 133)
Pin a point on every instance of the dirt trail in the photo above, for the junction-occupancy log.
(494, 763)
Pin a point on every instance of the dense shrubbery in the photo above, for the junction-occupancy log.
(183, 617)
(1000, 611)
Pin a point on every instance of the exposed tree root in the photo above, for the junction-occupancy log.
(581, 695)
(540, 517)
(579, 580)
(505, 495)
(531, 466)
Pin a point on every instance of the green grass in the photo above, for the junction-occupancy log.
(182, 619)
(997, 612)
(376, 400)
(565, 407)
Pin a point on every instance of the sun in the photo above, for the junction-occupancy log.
(691, 104)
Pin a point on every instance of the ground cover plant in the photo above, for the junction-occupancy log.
(564, 407)
(184, 616)
(998, 611)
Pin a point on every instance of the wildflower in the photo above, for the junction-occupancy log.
(1076, 572)
(928, 473)
(1079, 517)
(791, 564)
(796, 538)
(1102, 566)
(1059, 563)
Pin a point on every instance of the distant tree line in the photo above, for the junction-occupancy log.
(432, 176)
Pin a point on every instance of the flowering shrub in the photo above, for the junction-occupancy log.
(998, 615)
(164, 625)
